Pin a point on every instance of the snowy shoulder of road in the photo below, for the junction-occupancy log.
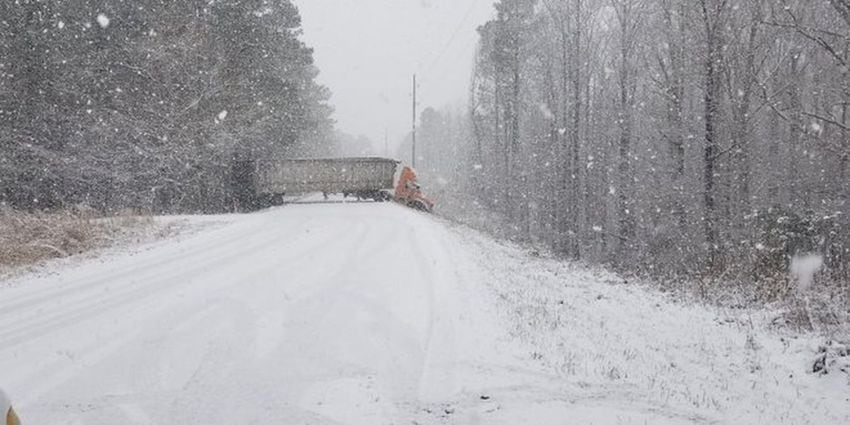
(362, 313)
(138, 234)
(614, 353)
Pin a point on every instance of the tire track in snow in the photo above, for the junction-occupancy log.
(324, 314)
(106, 299)
(96, 352)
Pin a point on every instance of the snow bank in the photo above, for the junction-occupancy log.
(613, 352)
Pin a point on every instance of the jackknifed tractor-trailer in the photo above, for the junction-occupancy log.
(267, 182)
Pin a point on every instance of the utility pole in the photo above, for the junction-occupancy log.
(413, 163)
(386, 143)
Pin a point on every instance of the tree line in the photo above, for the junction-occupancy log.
(699, 138)
(146, 103)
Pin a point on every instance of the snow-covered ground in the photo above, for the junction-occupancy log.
(365, 313)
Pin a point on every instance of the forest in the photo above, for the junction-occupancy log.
(705, 141)
(699, 139)
(144, 104)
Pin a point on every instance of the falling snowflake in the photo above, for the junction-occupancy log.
(103, 21)
(547, 113)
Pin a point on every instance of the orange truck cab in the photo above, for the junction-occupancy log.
(410, 194)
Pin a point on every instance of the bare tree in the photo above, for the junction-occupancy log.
(629, 17)
(627, 97)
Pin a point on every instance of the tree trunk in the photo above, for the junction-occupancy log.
(712, 93)
(796, 135)
(626, 107)
(566, 211)
(575, 130)
(675, 112)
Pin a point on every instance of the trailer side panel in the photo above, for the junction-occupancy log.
(337, 175)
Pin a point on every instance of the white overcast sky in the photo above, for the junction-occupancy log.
(368, 51)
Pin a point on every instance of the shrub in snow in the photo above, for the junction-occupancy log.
(781, 235)
(29, 238)
(832, 357)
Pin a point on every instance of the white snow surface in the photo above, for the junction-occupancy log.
(361, 313)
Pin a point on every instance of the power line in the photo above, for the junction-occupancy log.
(445, 70)
(454, 35)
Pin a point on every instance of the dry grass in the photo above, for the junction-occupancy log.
(30, 238)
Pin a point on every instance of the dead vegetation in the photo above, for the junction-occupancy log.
(28, 238)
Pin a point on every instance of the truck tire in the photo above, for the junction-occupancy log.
(418, 205)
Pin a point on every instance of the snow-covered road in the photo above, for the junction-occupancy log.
(311, 313)
(366, 313)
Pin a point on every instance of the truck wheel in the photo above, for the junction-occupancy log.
(418, 205)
